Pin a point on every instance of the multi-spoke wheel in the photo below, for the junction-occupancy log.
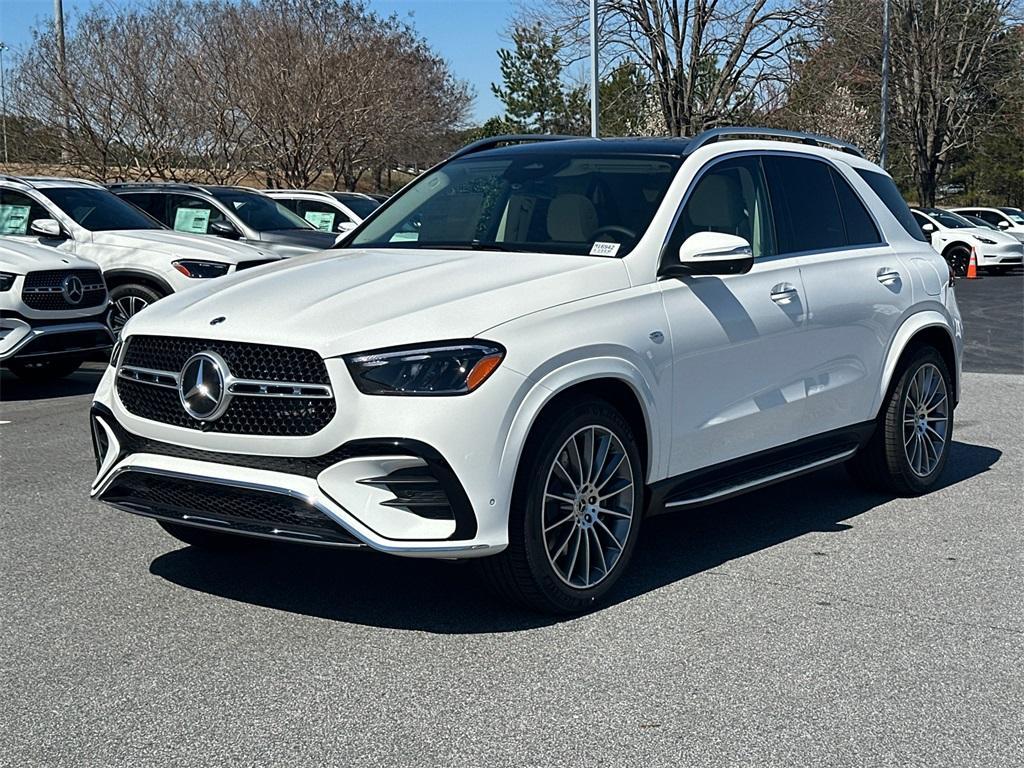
(910, 445)
(575, 512)
(126, 301)
(588, 507)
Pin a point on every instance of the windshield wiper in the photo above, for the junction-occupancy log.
(474, 245)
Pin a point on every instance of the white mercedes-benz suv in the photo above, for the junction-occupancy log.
(53, 310)
(536, 345)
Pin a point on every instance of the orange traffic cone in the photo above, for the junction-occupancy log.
(972, 266)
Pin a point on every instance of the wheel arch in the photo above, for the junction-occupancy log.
(955, 244)
(116, 277)
(928, 327)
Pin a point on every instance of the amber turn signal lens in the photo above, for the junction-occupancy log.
(484, 367)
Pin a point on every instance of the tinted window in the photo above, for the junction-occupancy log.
(991, 217)
(99, 210)
(1015, 215)
(807, 215)
(151, 203)
(17, 212)
(730, 198)
(259, 211)
(947, 219)
(359, 205)
(921, 221)
(860, 229)
(885, 188)
(527, 199)
(192, 214)
(321, 215)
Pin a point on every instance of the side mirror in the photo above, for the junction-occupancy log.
(1004, 225)
(223, 229)
(345, 226)
(712, 253)
(46, 228)
(927, 227)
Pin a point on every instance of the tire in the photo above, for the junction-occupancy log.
(525, 573)
(45, 370)
(958, 259)
(901, 457)
(206, 538)
(126, 300)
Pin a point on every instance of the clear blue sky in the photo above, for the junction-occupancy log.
(466, 32)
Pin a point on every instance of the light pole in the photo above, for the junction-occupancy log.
(3, 99)
(594, 85)
(883, 137)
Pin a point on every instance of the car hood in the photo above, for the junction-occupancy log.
(350, 300)
(181, 245)
(21, 258)
(310, 239)
(1001, 238)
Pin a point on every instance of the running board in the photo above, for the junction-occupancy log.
(738, 484)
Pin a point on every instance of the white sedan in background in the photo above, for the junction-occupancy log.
(955, 237)
(1008, 220)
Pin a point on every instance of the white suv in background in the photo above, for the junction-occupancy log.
(1009, 220)
(338, 212)
(53, 310)
(956, 238)
(534, 347)
(141, 259)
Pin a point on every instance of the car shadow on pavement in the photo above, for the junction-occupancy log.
(82, 382)
(448, 597)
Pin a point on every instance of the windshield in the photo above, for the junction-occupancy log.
(99, 210)
(360, 206)
(543, 201)
(947, 219)
(981, 223)
(1014, 214)
(260, 212)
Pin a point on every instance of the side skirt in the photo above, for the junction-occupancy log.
(737, 476)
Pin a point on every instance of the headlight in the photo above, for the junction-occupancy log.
(445, 368)
(6, 281)
(191, 268)
(984, 240)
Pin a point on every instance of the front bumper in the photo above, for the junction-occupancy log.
(1008, 255)
(38, 340)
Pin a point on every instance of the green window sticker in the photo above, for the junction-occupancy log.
(14, 219)
(322, 221)
(194, 220)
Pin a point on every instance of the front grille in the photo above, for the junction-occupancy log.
(245, 415)
(42, 290)
(75, 342)
(241, 509)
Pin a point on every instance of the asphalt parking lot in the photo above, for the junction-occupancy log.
(807, 624)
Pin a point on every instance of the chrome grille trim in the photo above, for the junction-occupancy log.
(235, 387)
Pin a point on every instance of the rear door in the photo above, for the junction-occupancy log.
(857, 288)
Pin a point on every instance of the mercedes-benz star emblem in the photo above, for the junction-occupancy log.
(201, 386)
(72, 289)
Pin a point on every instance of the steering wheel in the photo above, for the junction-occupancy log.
(614, 228)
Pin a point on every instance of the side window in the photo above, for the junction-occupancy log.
(991, 217)
(807, 214)
(860, 228)
(288, 202)
(885, 188)
(730, 197)
(323, 216)
(151, 203)
(17, 212)
(191, 214)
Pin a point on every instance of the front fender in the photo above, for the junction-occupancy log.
(561, 378)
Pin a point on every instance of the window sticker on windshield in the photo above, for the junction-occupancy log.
(194, 220)
(14, 219)
(604, 249)
(321, 220)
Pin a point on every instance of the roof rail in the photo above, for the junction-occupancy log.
(716, 134)
(513, 138)
(162, 184)
(15, 179)
(87, 182)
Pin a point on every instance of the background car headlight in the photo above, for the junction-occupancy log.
(984, 240)
(191, 268)
(6, 281)
(445, 368)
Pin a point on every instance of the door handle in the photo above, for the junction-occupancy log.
(888, 276)
(783, 293)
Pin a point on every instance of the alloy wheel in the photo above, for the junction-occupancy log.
(122, 309)
(925, 419)
(588, 507)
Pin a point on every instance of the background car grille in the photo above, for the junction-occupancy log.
(240, 509)
(288, 416)
(42, 290)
